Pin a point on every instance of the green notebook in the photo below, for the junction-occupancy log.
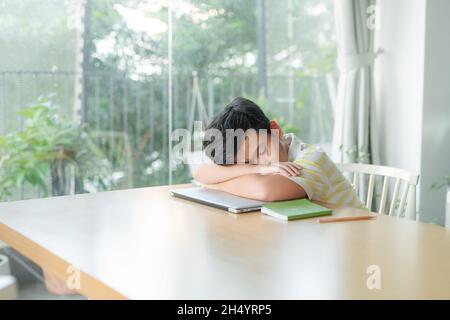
(294, 209)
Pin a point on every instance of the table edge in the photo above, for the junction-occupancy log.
(91, 287)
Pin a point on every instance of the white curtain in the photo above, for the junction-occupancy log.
(352, 139)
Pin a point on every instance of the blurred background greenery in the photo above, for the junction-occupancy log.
(84, 85)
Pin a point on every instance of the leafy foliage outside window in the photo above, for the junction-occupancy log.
(51, 150)
(126, 42)
(265, 105)
(356, 155)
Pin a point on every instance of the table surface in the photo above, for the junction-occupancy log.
(143, 243)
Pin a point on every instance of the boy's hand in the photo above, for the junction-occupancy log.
(287, 169)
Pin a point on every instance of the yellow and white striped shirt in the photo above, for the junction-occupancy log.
(319, 177)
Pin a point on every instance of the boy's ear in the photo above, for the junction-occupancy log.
(275, 126)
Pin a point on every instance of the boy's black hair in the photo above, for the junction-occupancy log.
(242, 114)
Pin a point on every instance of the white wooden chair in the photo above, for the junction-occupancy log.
(406, 208)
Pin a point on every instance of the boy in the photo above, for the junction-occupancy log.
(266, 165)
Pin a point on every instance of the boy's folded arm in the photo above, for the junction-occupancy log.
(209, 173)
(262, 187)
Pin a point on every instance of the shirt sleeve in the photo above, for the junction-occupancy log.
(306, 184)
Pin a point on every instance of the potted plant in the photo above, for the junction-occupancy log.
(51, 153)
(441, 183)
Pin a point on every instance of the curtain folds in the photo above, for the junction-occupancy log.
(352, 139)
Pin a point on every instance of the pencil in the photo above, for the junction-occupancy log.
(343, 219)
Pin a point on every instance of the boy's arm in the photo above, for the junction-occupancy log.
(212, 173)
(262, 187)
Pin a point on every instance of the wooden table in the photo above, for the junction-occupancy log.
(142, 243)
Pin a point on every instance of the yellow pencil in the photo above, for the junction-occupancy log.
(343, 219)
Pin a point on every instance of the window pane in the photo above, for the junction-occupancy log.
(39, 57)
(214, 60)
(105, 64)
(301, 61)
(127, 94)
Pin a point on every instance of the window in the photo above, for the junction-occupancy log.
(120, 74)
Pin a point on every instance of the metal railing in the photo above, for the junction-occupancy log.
(129, 117)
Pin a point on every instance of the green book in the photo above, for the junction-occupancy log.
(294, 209)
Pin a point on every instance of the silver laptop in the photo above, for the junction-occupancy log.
(218, 199)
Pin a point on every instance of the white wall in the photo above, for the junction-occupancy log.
(412, 94)
(435, 157)
(399, 82)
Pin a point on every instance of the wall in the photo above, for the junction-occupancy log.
(399, 81)
(435, 156)
(412, 80)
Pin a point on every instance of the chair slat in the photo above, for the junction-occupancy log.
(356, 182)
(394, 197)
(403, 200)
(407, 203)
(384, 195)
(370, 191)
(410, 211)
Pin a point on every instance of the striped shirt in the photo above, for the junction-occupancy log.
(319, 177)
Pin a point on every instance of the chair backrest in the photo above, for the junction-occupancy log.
(403, 203)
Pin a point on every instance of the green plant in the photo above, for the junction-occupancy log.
(51, 151)
(442, 182)
(355, 154)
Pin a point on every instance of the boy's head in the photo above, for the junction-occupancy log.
(241, 133)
